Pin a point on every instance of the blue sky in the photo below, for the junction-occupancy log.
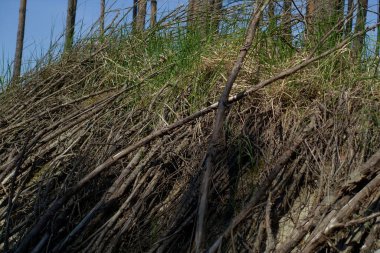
(45, 21)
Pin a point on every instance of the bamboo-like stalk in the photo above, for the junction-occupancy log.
(20, 40)
(70, 24)
(153, 13)
(141, 15)
(101, 19)
(358, 43)
(217, 133)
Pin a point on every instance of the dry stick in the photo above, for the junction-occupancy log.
(114, 192)
(357, 221)
(270, 238)
(367, 167)
(53, 94)
(28, 162)
(10, 197)
(91, 110)
(352, 206)
(43, 113)
(222, 107)
(217, 133)
(57, 81)
(57, 204)
(372, 237)
(365, 172)
(41, 243)
(260, 192)
(135, 209)
(109, 195)
(96, 107)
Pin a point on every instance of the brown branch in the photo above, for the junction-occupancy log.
(217, 133)
(262, 189)
(270, 238)
(58, 203)
(357, 221)
(19, 163)
(345, 212)
(291, 243)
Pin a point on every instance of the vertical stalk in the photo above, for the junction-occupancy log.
(217, 139)
(19, 41)
(134, 12)
(153, 13)
(358, 45)
(348, 28)
(70, 24)
(141, 15)
(101, 20)
(286, 20)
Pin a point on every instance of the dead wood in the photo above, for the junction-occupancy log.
(114, 161)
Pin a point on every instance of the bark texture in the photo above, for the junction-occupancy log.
(141, 15)
(323, 14)
(20, 40)
(70, 24)
(350, 7)
(153, 13)
(102, 13)
(287, 20)
(205, 15)
(358, 45)
(134, 11)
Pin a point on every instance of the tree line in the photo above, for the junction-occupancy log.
(319, 16)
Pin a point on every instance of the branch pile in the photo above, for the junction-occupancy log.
(88, 164)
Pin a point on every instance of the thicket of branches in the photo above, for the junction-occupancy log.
(250, 127)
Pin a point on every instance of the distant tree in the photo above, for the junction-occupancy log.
(287, 20)
(350, 7)
(216, 14)
(193, 15)
(101, 19)
(191, 11)
(377, 51)
(271, 15)
(70, 24)
(153, 13)
(134, 11)
(141, 15)
(358, 43)
(310, 10)
(322, 15)
(20, 40)
(205, 15)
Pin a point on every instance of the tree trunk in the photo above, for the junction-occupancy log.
(217, 14)
(205, 15)
(310, 11)
(339, 7)
(153, 13)
(348, 28)
(134, 12)
(322, 15)
(70, 24)
(287, 21)
(271, 16)
(377, 51)
(141, 15)
(359, 26)
(101, 20)
(191, 12)
(20, 40)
